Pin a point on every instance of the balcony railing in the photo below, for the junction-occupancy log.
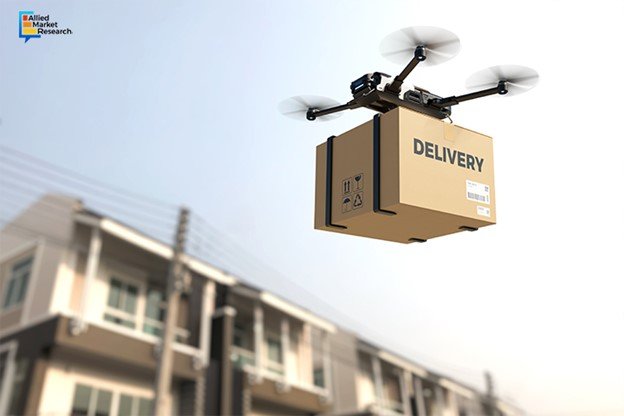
(242, 357)
(275, 367)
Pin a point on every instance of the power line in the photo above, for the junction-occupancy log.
(79, 178)
(28, 197)
(47, 183)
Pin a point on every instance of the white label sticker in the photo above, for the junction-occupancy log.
(483, 211)
(478, 192)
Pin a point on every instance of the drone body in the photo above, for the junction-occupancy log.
(407, 175)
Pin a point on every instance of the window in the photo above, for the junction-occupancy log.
(154, 312)
(121, 305)
(318, 372)
(243, 350)
(319, 377)
(4, 363)
(4, 377)
(8, 377)
(21, 366)
(274, 353)
(18, 283)
(392, 391)
(89, 401)
(242, 337)
(155, 307)
(134, 406)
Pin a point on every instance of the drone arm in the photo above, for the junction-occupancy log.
(419, 56)
(454, 100)
(313, 113)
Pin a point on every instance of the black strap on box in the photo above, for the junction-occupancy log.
(377, 167)
(329, 167)
(377, 174)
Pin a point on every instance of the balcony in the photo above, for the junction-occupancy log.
(380, 385)
(268, 343)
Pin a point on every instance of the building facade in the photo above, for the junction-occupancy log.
(82, 309)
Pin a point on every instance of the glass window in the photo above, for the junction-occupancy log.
(103, 404)
(125, 406)
(4, 359)
(18, 283)
(155, 307)
(82, 397)
(131, 297)
(121, 304)
(89, 401)
(154, 312)
(134, 406)
(319, 377)
(114, 294)
(242, 337)
(145, 407)
(21, 366)
(274, 349)
(317, 358)
(274, 353)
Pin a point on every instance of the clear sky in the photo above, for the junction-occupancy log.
(177, 100)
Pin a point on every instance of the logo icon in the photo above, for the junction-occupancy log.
(26, 29)
(33, 25)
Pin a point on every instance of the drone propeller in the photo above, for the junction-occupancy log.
(440, 45)
(297, 107)
(518, 79)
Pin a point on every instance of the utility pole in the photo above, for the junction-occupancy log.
(490, 395)
(175, 284)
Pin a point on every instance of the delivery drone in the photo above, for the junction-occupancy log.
(419, 45)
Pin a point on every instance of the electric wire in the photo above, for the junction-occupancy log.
(21, 198)
(77, 177)
(48, 183)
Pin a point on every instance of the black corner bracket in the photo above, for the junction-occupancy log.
(416, 240)
(328, 184)
(467, 228)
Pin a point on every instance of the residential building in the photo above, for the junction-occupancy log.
(81, 312)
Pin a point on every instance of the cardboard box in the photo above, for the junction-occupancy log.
(405, 177)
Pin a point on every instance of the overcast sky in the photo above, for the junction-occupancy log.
(177, 100)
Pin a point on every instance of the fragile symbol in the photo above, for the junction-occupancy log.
(359, 182)
(346, 204)
(357, 201)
